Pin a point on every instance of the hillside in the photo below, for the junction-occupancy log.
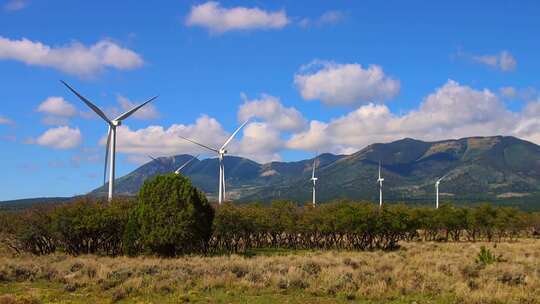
(478, 168)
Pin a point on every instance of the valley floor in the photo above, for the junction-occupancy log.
(416, 273)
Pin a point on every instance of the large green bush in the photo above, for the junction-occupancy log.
(89, 226)
(171, 217)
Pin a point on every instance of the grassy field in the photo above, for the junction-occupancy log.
(416, 273)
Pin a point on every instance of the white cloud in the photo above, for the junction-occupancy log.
(257, 141)
(527, 94)
(74, 58)
(57, 106)
(260, 143)
(217, 19)
(344, 84)
(5, 121)
(328, 17)
(160, 141)
(508, 92)
(15, 5)
(55, 121)
(503, 61)
(60, 138)
(147, 112)
(452, 111)
(271, 110)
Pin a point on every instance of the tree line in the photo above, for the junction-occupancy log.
(171, 217)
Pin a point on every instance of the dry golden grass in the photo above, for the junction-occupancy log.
(425, 272)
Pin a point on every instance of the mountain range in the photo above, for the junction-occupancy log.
(477, 169)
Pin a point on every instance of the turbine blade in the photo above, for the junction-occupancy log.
(135, 109)
(88, 103)
(107, 156)
(153, 158)
(198, 144)
(314, 164)
(232, 135)
(444, 176)
(186, 163)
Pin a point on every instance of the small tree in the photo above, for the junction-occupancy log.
(171, 217)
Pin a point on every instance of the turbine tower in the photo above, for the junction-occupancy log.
(314, 180)
(110, 151)
(221, 154)
(437, 191)
(380, 181)
(185, 164)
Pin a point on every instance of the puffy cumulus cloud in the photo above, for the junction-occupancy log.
(57, 106)
(312, 139)
(60, 138)
(503, 61)
(260, 142)
(271, 110)
(217, 19)
(452, 111)
(74, 58)
(161, 141)
(344, 84)
(15, 5)
(5, 121)
(147, 112)
(528, 126)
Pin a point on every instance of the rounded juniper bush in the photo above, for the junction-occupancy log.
(172, 217)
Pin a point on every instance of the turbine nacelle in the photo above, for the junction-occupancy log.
(221, 153)
(111, 136)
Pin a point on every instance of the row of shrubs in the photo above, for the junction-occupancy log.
(171, 217)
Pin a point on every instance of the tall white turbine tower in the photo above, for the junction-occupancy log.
(380, 181)
(437, 190)
(111, 136)
(314, 180)
(221, 154)
(185, 164)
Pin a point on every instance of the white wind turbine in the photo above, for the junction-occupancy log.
(111, 136)
(437, 190)
(380, 181)
(314, 180)
(185, 164)
(221, 154)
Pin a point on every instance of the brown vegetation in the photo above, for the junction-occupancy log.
(440, 272)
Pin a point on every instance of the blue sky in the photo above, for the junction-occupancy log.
(329, 76)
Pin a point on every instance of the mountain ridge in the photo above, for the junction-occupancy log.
(478, 168)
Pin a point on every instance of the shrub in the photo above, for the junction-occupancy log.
(171, 217)
(485, 257)
(89, 226)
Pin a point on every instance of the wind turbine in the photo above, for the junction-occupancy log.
(437, 190)
(111, 135)
(314, 180)
(221, 154)
(185, 164)
(380, 180)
